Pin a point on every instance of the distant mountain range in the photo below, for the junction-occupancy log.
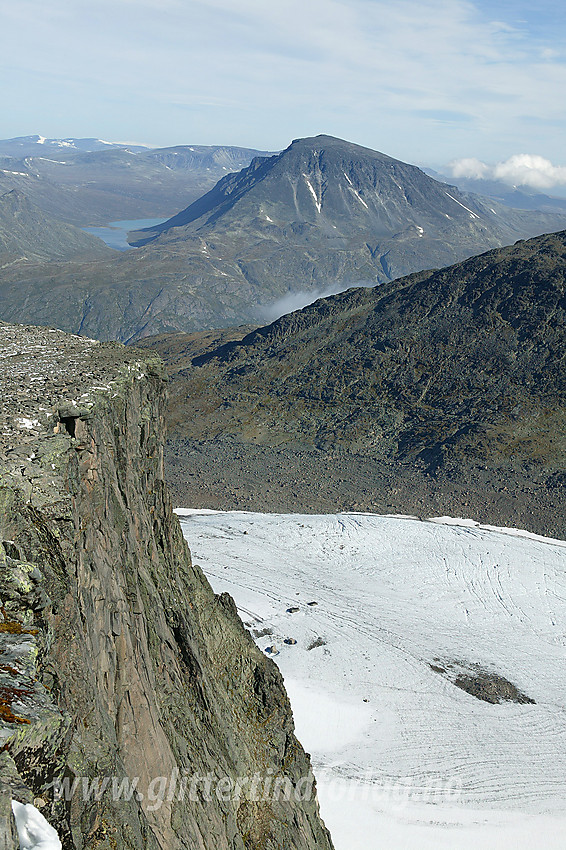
(518, 197)
(441, 392)
(36, 145)
(89, 182)
(323, 215)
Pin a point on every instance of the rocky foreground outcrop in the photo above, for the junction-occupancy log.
(117, 661)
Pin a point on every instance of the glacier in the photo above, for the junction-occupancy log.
(404, 609)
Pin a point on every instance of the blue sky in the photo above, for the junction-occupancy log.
(428, 81)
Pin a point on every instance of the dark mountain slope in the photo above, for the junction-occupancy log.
(336, 185)
(27, 233)
(324, 214)
(443, 382)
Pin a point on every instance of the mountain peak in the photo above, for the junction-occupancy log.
(322, 216)
(323, 138)
(328, 143)
(325, 187)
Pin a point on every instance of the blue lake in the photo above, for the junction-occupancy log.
(114, 234)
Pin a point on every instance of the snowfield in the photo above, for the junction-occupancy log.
(34, 832)
(405, 759)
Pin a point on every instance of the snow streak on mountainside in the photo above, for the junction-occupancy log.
(410, 617)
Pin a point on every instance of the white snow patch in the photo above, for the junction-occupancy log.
(317, 201)
(325, 721)
(515, 532)
(34, 831)
(200, 511)
(24, 422)
(360, 818)
(472, 213)
(358, 196)
(450, 520)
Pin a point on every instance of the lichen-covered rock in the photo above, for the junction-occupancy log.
(8, 838)
(117, 661)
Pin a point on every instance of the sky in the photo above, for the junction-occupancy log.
(429, 82)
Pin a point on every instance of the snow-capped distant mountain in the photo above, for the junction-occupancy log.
(21, 146)
(94, 182)
(425, 663)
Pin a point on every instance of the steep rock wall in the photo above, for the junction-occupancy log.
(117, 659)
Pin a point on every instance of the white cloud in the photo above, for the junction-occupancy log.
(470, 167)
(521, 169)
(530, 170)
(297, 300)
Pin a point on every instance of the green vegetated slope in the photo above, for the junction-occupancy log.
(452, 374)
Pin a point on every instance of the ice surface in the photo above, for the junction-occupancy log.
(404, 758)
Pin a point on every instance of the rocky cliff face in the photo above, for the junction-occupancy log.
(117, 659)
